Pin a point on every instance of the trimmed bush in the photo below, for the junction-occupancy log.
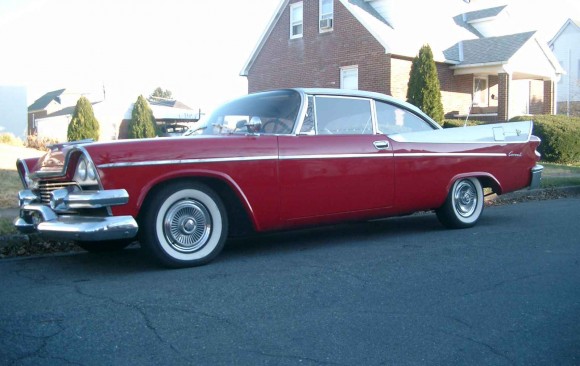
(424, 90)
(142, 124)
(560, 137)
(451, 123)
(83, 125)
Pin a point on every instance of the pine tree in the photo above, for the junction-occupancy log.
(83, 125)
(423, 89)
(142, 124)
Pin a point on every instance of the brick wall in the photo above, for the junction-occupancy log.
(503, 97)
(548, 97)
(315, 59)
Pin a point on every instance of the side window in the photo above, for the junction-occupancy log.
(296, 19)
(393, 119)
(343, 116)
(308, 124)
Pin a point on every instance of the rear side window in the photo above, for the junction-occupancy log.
(343, 116)
(393, 119)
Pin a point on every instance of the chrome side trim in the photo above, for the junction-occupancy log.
(404, 155)
(187, 161)
(336, 156)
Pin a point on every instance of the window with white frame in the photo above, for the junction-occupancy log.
(326, 15)
(480, 91)
(349, 77)
(296, 20)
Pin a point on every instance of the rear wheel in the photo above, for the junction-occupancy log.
(464, 204)
(185, 224)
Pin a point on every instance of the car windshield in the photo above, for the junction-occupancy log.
(264, 113)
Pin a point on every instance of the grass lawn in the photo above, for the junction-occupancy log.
(10, 184)
(556, 175)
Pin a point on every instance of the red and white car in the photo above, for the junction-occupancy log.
(272, 161)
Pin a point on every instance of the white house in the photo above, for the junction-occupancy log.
(566, 47)
(113, 116)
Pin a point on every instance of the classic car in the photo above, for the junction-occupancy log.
(268, 161)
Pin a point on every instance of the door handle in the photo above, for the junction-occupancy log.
(381, 145)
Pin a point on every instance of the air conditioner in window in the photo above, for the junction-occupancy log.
(326, 23)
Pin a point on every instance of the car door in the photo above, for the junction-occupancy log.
(338, 163)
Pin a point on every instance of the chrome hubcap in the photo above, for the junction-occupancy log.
(465, 198)
(187, 225)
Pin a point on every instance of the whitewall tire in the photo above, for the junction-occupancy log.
(464, 204)
(185, 224)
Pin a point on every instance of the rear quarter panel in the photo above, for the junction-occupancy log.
(424, 172)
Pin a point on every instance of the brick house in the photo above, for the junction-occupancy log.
(483, 69)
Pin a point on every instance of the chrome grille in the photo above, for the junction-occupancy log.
(45, 188)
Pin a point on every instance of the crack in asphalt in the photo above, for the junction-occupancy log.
(40, 351)
(501, 283)
(295, 358)
(480, 343)
(147, 321)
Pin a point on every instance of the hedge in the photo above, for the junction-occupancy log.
(560, 137)
(451, 123)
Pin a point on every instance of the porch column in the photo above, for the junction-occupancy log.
(503, 97)
(548, 97)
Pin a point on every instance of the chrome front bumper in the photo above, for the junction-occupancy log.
(536, 176)
(55, 221)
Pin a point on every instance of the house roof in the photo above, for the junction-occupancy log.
(43, 102)
(70, 110)
(573, 22)
(487, 50)
(476, 15)
(364, 5)
(466, 20)
(173, 103)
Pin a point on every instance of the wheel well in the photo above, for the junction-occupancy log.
(489, 182)
(239, 221)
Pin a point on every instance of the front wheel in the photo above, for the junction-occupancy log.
(185, 224)
(463, 205)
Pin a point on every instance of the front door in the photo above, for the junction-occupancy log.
(337, 165)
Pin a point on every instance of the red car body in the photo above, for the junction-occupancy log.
(271, 180)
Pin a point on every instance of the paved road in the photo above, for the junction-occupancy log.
(402, 291)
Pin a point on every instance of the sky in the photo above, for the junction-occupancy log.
(194, 48)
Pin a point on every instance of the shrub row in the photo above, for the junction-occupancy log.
(451, 123)
(560, 137)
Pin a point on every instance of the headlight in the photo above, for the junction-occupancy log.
(85, 173)
(82, 170)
